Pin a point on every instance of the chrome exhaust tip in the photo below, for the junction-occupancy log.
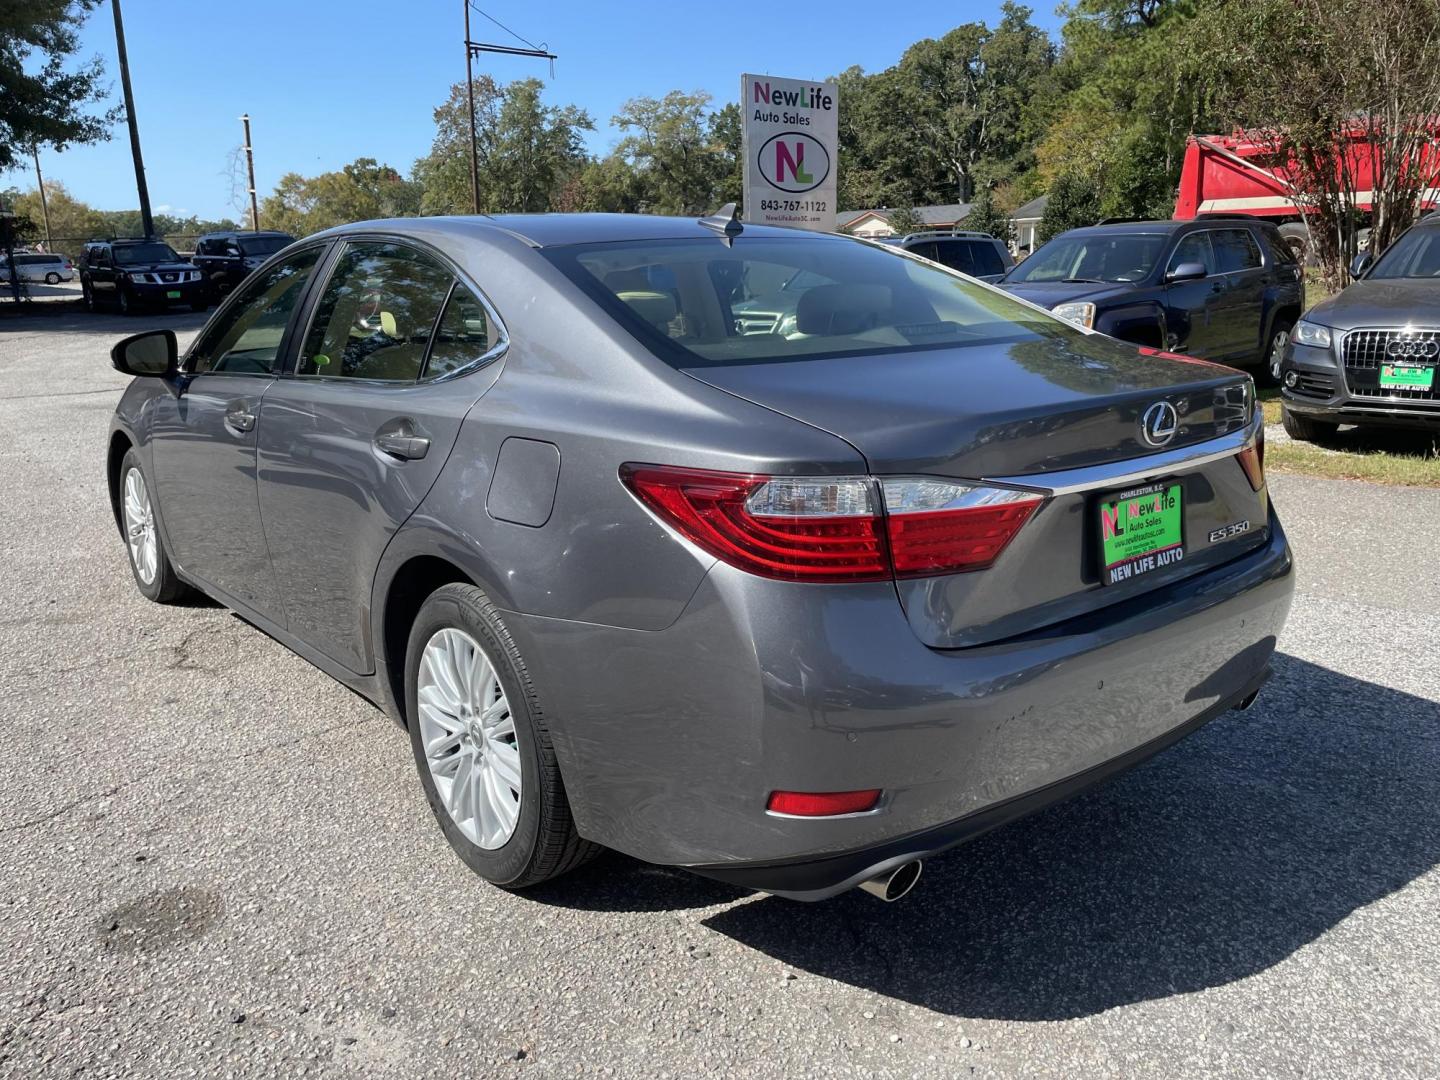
(1247, 701)
(893, 884)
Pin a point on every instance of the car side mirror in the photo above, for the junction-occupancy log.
(1187, 271)
(152, 354)
(1361, 263)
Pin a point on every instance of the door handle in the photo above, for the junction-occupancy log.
(239, 418)
(403, 444)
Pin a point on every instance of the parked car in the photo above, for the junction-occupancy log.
(1369, 354)
(789, 608)
(1220, 289)
(130, 274)
(975, 253)
(226, 258)
(36, 266)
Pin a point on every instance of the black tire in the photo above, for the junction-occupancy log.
(1304, 428)
(544, 844)
(87, 294)
(123, 301)
(166, 586)
(52, 278)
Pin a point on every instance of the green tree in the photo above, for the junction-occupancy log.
(986, 217)
(904, 220)
(1073, 202)
(529, 153)
(680, 154)
(47, 105)
(70, 219)
(362, 190)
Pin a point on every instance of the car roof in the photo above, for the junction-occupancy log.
(561, 230)
(1161, 228)
(241, 232)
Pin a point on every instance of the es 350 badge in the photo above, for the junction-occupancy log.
(1234, 529)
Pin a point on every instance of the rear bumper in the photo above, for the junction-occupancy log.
(670, 741)
(821, 879)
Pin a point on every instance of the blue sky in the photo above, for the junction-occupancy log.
(327, 81)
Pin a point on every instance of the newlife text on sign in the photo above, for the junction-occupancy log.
(791, 144)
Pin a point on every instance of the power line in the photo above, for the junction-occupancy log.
(542, 47)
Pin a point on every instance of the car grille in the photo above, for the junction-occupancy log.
(1364, 352)
(170, 277)
(1309, 384)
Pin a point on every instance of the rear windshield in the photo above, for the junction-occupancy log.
(699, 303)
(1414, 255)
(1107, 257)
(135, 254)
(263, 245)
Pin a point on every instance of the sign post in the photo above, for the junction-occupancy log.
(791, 145)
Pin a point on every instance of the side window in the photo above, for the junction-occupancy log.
(985, 257)
(377, 312)
(1194, 248)
(1235, 249)
(1278, 250)
(246, 339)
(954, 254)
(925, 250)
(464, 335)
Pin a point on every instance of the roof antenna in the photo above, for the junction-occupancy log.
(726, 222)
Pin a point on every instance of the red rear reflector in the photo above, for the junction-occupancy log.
(809, 541)
(822, 803)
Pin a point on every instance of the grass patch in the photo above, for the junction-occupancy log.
(1269, 399)
(1405, 458)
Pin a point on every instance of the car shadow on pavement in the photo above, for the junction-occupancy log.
(1211, 863)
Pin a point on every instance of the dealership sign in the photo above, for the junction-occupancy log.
(791, 146)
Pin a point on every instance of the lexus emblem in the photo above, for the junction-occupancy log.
(1158, 424)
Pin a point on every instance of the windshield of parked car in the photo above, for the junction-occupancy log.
(1109, 257)
(700, 302)
(1414, 255)
(136, 254)
(263, 245)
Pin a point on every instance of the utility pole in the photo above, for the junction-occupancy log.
(250, 171)
(472, 49)
(44, 203)
(147, 222)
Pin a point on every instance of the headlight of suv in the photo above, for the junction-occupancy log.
(1077, 312)
(1309, 333)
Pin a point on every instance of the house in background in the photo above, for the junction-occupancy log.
(1025, 224)
(876, 222)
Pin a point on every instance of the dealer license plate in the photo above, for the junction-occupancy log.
(1141, 530)
(173, 294)
(1406, 376)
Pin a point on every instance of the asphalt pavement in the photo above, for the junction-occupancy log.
(215, 861)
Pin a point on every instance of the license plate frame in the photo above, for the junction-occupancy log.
(1137, 542)
(1407, 376)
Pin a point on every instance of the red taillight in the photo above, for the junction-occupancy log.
(1252, 460)
(816, 540)
(822, 803)
(842, 528)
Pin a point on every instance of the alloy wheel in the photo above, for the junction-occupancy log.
(1277, 352)
(140, 527)
(469, 738)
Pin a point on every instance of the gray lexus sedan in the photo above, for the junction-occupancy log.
(790, 604)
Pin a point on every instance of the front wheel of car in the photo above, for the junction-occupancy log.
(1279, 339)
(126, 304)
(1304, 428)
(481, 746)
(149, 561)
(88, 295)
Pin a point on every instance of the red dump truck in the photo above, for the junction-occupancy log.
(1231, 174)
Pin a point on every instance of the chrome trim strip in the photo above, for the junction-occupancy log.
(1120, 474)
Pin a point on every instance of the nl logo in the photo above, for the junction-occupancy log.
(793, 161)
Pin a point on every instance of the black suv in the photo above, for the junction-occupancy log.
(1223, 289)
(975, 253)
(135, 273)
(226, 258)
(1370, 355)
